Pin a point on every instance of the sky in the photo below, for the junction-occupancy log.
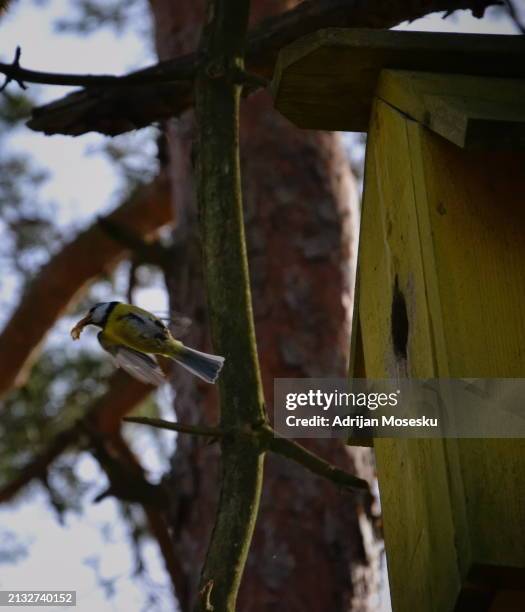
(61, 557)
(31, 28)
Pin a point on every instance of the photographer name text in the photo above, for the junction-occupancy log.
(359, 422)
(337, 400)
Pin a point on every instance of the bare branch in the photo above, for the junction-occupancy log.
(194, 430)
(15, 72)
(62, 279)
(116, 110)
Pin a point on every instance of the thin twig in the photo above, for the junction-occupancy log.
(13, 69)
(194, 430)
(145, 76)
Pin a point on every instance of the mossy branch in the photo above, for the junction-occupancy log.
(217, 98)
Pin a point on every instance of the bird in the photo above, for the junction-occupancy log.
(133, 336)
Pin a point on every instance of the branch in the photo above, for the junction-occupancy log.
(11, 71)
(219, 196)
(15, 72)
(131, 106)
(64, 277)
(194, 430)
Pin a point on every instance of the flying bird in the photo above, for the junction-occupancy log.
(132, 336)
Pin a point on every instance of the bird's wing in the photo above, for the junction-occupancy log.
(146, 325)
(136, 364)
(139, 365)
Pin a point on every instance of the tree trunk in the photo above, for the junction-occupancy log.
(310, 550)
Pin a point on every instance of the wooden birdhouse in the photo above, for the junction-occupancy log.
(441, 289)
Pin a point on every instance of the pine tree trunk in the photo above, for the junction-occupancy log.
(311, 551)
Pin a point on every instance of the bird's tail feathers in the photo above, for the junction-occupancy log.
(203, 365)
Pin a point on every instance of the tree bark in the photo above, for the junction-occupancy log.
(309, 551)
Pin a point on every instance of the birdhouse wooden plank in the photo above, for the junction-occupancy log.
(472, 112)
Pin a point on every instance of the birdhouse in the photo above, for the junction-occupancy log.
(441, 291)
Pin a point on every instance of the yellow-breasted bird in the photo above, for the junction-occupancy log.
(132, 335)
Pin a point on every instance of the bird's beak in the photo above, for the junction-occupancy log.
(77, 330)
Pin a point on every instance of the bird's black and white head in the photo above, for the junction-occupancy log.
(98, 315)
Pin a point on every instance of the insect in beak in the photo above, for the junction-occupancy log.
(77, 330)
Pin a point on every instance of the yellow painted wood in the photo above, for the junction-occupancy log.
(327, 80)
(472, 112)
(472, 213)
(446, 226)
(418, 518)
